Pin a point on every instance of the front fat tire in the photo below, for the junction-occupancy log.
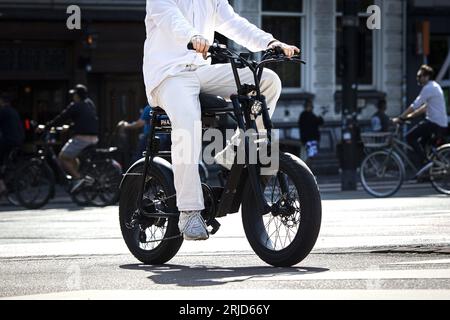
(310, 220)
(129, 194)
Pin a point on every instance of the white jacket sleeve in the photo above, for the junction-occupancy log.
(167, 16)
(422, 98)
(231, 25)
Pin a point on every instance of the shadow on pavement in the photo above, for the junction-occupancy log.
(199, 276)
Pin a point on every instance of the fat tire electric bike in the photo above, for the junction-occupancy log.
(281, 213)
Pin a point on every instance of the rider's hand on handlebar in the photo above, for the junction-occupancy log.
(122, 124)
(201, 45)
(288, 50)
(398, 120)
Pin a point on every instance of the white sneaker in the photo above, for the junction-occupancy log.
(192, 225)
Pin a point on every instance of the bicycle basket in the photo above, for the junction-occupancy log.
(376, 139)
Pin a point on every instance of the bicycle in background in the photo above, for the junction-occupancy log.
(39, 175)
(384, 169)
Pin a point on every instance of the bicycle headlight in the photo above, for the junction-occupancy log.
(256, 108)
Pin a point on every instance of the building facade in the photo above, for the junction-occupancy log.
(40, 59)
(388, 57)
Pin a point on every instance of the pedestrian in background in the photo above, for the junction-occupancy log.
(380, 121)
(12, 134)
(309, 125)
(144, 122)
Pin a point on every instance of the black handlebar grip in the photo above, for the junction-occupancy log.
(278, 50)
(212, 47)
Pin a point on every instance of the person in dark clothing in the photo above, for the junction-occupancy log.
(309, 125)
(82, 112)
(12, 133)
(144, 122)
(380, 121)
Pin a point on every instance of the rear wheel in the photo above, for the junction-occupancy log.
(287, 234)
(382, 173)
(440, 171)
(152, 241)
(107, 182)
(34, 184)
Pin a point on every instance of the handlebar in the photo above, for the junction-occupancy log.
(268, 56)
(213, 49)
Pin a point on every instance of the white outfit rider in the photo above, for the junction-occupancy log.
(174, 76)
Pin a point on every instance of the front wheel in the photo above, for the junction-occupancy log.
(287, 234)
(440, 171)
(382, 173)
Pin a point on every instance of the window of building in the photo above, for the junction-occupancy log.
(285, 20)
(366, 45)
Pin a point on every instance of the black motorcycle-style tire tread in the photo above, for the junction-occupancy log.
(166, 250)
(311, 216)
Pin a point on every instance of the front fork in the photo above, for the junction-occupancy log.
(253, 169)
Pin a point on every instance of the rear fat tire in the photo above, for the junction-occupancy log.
(310, 220)
(129, 194)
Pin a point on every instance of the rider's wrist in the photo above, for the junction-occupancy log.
(272, 42)
(196, 36)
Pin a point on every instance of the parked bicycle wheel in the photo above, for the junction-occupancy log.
(10, 176)
(440, 171)
(285, 236)
(382, 173)
(34, 184)
(144, 238)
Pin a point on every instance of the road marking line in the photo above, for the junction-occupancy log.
(235, 294)
(440, 261)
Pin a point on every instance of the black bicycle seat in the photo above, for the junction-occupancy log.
(214, 104)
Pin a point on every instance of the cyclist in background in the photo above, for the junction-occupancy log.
(430, 101)
(83, 113)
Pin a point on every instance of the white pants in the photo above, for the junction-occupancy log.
(179, 96)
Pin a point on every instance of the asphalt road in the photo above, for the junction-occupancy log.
(368, 248)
